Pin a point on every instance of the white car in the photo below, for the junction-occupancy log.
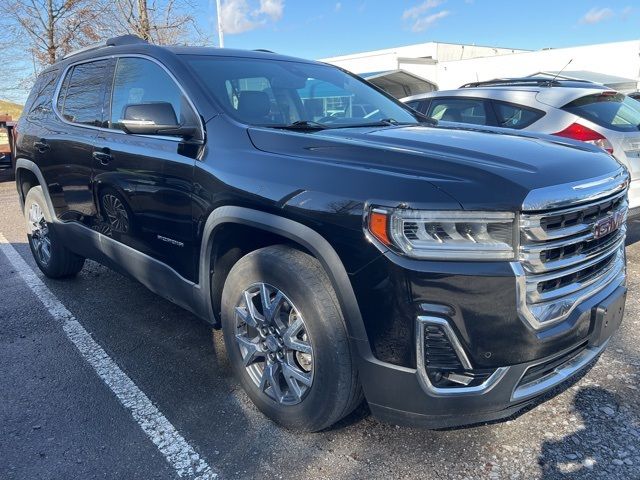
(568, 108)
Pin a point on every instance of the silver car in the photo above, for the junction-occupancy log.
(568, 108)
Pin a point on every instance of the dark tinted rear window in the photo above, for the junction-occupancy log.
(608, 109)
(515, 116)
(82, 94)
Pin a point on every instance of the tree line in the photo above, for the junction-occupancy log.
(47, 30)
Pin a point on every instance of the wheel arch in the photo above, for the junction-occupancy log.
(301, 236)
(27, 170)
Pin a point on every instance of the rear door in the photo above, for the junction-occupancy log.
(66, 148)
(143, 184)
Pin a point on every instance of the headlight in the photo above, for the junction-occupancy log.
(446, 235)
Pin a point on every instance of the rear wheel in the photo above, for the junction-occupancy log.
(286, 339)
(52, 257)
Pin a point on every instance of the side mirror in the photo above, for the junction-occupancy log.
(157, 118)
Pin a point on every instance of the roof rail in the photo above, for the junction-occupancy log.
(111, 42)
(523, 81)
(263, 50)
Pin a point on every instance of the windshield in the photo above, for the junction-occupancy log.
(608, 109)
(279, 93)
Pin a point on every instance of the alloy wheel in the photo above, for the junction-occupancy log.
(274, 344)
(39, 231)
(116, 213)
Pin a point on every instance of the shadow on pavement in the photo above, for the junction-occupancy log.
(559, 458)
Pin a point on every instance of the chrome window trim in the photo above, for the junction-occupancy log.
(54, 100)
(584, 191)
(557, 376)
(421, 323)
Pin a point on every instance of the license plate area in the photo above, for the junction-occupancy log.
(608, 316)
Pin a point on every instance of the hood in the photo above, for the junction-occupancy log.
(482, 168)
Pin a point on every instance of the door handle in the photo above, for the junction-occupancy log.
(41, 145)
(103, 156)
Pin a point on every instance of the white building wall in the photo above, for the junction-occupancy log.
(621, 59)
(391, 58)
(454, 65)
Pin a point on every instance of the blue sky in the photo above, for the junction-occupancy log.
(319, 28)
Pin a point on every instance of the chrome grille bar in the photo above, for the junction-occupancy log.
(563, 261)
(535, 228)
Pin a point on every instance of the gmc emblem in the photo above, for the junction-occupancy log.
(609, 224)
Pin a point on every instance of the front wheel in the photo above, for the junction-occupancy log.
(286, 339)
(52, 257)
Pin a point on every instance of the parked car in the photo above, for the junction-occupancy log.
(567, 108)
(447, 275)
(6, 141)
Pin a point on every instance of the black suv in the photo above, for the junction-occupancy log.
(447, 275)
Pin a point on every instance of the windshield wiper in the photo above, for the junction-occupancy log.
(303, 125)
(385, 122)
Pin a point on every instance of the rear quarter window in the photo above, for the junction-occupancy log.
(39, 104)
(510, 115)
(611, 110)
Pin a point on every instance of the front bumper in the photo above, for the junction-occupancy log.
(402, 395)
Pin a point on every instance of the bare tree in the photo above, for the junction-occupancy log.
(162, 22)
(53, 27)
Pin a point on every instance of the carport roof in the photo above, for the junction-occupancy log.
(400, 81)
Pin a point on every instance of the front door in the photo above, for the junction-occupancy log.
(143, 184)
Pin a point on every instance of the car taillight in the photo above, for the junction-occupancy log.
(584, 134)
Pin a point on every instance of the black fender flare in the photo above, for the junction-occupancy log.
(298, 233)
(24, 164)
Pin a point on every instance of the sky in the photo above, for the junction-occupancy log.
(321, 28)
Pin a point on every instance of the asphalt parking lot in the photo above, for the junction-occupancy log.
(60, 418)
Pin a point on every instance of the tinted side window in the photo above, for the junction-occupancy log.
(463, 110)
(39, 104)
(515, 116)
(82, 93)
(138, 81)
(415, 104)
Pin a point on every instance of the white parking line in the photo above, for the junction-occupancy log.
(180, 455)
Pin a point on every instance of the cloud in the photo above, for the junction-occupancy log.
(423, 23)
(240, 16)
(338, 6)
(596, 15)
(415, 12)
(272, 8)
(419, 15)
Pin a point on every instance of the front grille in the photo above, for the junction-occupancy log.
(562, 260)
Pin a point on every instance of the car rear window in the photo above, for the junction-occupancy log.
(515, 116)
(611, 110)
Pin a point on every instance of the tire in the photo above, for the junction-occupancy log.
(333, 390)
(52, 257)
